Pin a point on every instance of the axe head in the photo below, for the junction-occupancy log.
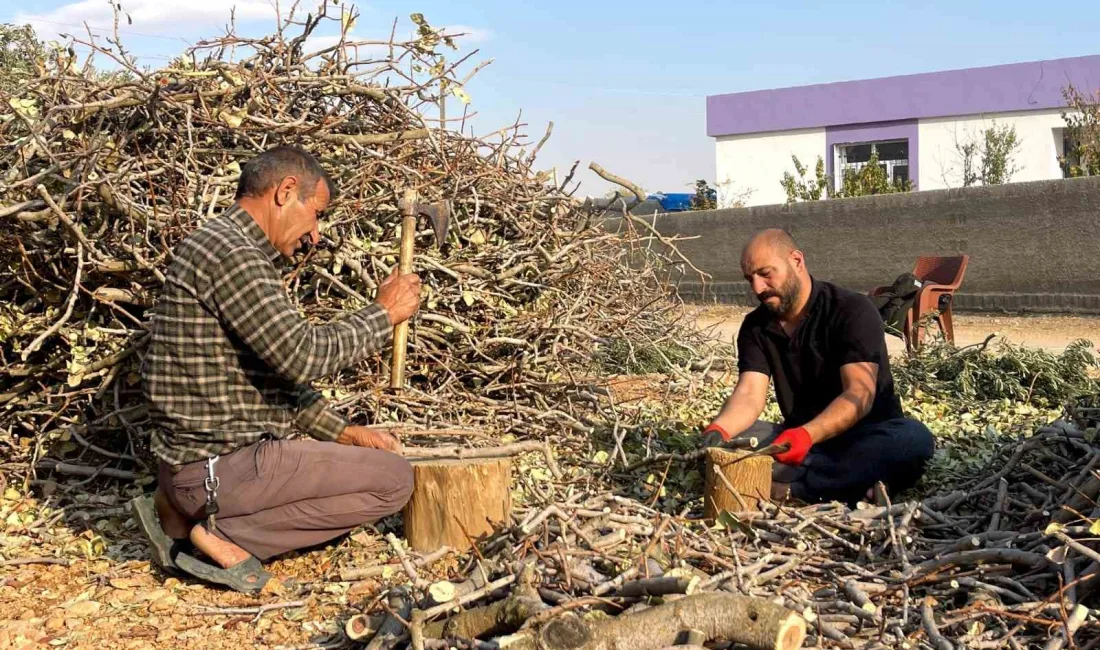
(438, 214)
(440, 217)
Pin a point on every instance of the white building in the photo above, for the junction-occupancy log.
(915, 123)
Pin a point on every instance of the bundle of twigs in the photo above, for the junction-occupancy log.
(980, 567)
(104, 173)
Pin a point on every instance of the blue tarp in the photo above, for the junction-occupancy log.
(674, 202)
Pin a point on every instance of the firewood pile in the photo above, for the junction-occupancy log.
(527, 303)
(1005, 561)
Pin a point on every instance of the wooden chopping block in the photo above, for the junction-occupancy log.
(752, 477)
(455, 502)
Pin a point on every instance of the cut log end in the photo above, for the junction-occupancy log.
(362, 627)
(751, 477)
(456, 502)
(792, 632)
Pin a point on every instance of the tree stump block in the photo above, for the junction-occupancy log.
(752, 477)
(454, 502)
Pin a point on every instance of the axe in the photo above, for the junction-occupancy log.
(439, 216)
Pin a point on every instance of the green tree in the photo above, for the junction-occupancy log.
(999, 148)
(968, 151)
(1082, 156)
(803, 189)
(705, 198)
(869, 180)
(990, 160)
(21, 56)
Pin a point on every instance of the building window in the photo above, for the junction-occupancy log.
(1068, 158)
(893, 158)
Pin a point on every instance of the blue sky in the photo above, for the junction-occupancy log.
(625, 83)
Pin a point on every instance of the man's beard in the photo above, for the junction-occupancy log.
(787, 295)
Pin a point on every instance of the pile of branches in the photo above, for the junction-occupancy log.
(1008, 560)
(102, 173)
(989, 373)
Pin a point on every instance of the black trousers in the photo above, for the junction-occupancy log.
(843, 468)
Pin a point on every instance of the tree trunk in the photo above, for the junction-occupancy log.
(455, 502)
(752, 622)
(752, 477)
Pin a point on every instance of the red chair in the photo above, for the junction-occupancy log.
(940, 278)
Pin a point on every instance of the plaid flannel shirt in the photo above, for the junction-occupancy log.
(231, 357)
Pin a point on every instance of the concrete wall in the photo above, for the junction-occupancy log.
(750, 167)
(1032, 246)
(1039, 134)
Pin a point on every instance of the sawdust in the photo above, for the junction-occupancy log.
(111, 596)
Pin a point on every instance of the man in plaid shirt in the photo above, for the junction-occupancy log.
(226, 376)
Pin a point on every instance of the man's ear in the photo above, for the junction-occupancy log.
(798, 259)
(285, 190)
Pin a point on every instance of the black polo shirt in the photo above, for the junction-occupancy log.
(840, 327)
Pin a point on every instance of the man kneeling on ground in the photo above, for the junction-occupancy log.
(226, 378)
(825, 348)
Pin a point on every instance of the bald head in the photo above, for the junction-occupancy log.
(776, 271)
(772, 241)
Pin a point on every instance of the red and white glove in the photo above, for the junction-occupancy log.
(800, 441)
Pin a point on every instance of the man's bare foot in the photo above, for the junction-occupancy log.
(226, 554)
(172, 521)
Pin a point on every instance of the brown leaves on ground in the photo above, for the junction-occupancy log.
(111, 595)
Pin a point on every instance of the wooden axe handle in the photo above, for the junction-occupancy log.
(405, 265)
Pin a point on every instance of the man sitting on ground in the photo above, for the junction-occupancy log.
(226, 378)
(825, 348)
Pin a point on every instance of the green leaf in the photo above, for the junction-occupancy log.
(731, 522)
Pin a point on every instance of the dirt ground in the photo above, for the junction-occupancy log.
(1047, 331)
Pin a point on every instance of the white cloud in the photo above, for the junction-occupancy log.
(315, 43)
(152, 17)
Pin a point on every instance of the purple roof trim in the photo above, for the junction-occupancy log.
(1003, 88)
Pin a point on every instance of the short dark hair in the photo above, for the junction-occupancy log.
(265, 170)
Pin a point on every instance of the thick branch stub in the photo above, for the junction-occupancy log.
(618, 180)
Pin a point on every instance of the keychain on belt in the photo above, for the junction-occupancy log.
(211, 484)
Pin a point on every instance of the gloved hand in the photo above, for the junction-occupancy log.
(800, 441)
(714, 435)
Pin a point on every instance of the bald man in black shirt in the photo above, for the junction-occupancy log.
(825, 349)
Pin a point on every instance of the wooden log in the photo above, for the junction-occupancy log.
(1083, 498)
(662, 586)
(752, 622)
(750, 476)
(362, 627)
(499, 618)
(455, 502)
(392, 631)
